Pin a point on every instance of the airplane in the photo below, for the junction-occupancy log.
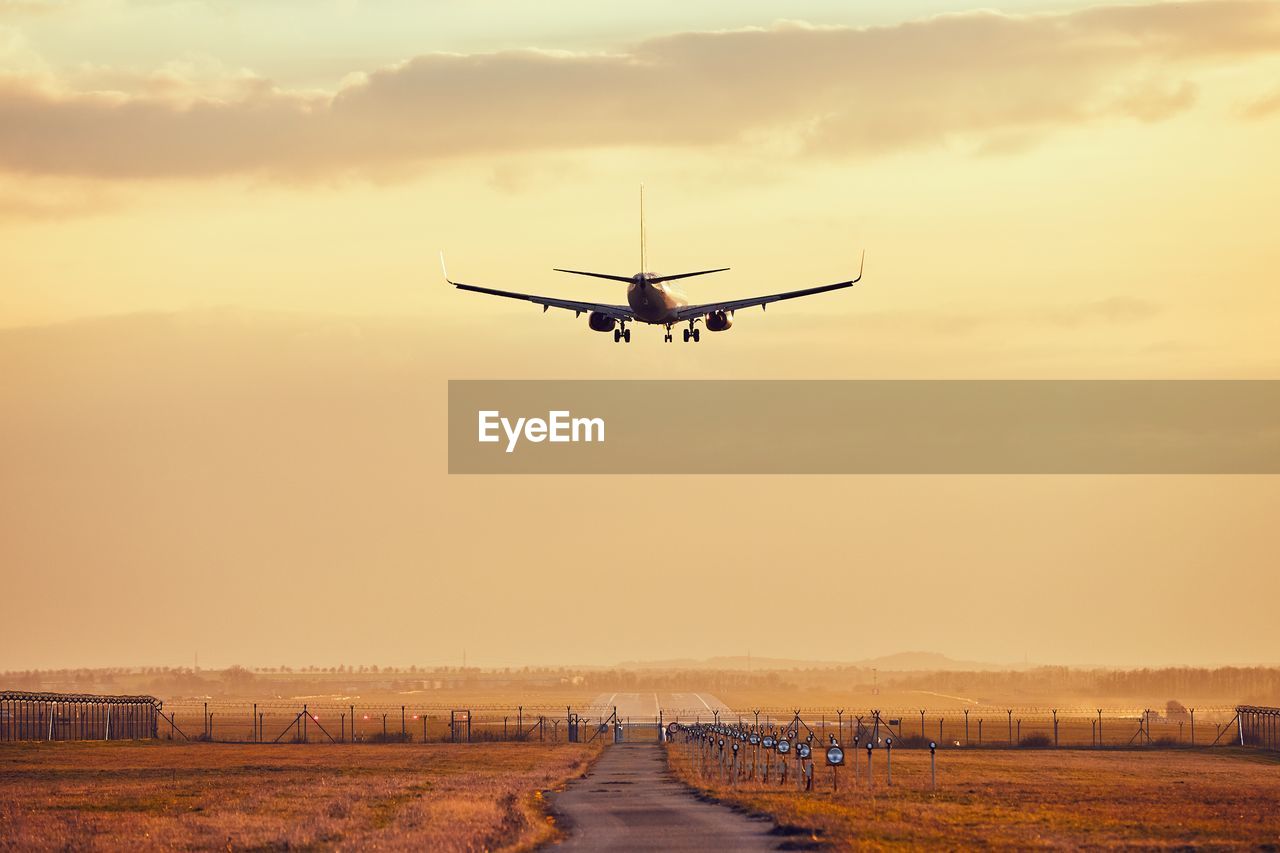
(651, 299)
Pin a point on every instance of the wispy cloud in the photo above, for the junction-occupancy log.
(998, 81)
(1262, 107)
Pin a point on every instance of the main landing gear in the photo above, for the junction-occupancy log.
(623, 334)
(692, 332)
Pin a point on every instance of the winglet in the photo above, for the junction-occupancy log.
(861, 262)
(443, 268)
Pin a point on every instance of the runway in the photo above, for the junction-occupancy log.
(644, 706)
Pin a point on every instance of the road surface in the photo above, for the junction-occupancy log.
(644, 706)
(630, 802)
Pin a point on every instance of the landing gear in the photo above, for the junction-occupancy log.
(623, 334)
(667, 338)
(686, 336)
(692, 333)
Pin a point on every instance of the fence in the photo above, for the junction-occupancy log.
(1259, 727)
(329, 722)
(989, 727)
(789, 748)
(77, 716)
(44, 716)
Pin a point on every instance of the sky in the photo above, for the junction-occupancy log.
(225, 342)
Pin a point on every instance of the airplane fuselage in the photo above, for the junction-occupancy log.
(654, 303)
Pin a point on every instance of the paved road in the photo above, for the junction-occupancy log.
(686, 706)
(629, 802)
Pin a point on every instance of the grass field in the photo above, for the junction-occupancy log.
(112, 796)
(1029, 798)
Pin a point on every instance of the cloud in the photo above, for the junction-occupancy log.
(989, 79)
(31, 7)
(1120, 310)
(1262, 107)
(1115, 310)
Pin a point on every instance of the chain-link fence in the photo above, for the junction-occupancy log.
(30, 716)
(323, 722)
(991, 727)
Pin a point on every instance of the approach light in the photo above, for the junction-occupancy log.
(835, 755)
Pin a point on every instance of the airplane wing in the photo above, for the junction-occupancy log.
(690, 312)
(617, 312)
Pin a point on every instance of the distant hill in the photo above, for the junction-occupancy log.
(932, 662)
(899, 662)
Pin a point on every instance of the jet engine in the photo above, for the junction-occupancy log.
(600, 322)
(718, 321)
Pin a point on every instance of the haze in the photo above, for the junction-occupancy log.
(225, 342)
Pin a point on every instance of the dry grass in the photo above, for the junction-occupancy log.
(100, 796)
(1050, 798)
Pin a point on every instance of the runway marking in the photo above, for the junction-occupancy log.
(703, 701)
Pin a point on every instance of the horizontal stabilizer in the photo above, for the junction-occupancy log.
(625, 278)
(659, 278)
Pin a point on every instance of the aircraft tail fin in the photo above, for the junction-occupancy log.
(643, 247)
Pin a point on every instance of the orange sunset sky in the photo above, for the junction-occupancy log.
(224, 341)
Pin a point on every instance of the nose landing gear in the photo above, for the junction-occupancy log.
(667, 338)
